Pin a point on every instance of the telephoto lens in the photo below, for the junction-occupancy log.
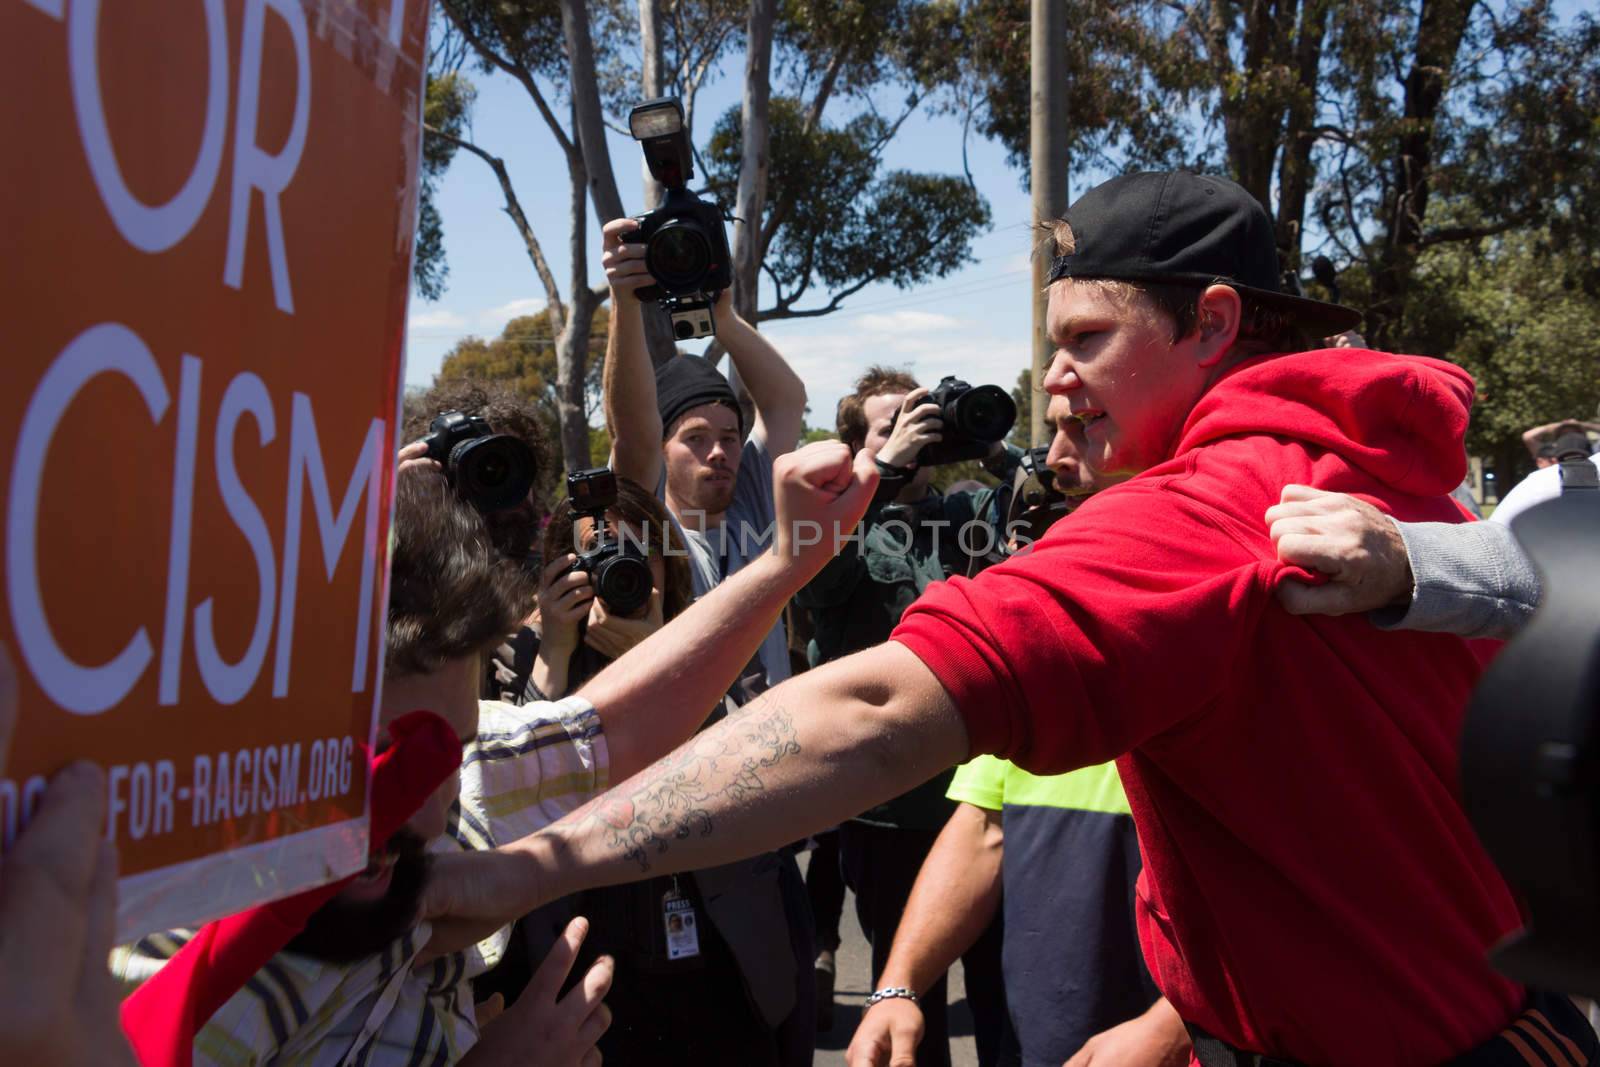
(985, 413)
(494, 472)
(974, 419)
(491, 471)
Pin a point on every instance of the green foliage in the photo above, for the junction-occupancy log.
(848, 223)
(1509, 311)
(524, 357)
(447, 106)
(1022, 395)
(813, 434)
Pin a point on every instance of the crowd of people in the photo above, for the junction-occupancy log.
(1172, 773)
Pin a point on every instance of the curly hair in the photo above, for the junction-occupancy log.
(506, 411)
(1263, 330)
(642, 511)
(452, 593)
(851, 418)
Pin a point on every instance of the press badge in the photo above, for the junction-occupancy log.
(683, 931)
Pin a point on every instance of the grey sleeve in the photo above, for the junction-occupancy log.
(1471, 579)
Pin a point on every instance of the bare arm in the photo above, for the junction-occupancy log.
(628, 385)
(809, 753)
(956, 895)
(657, 695)
(777, 391)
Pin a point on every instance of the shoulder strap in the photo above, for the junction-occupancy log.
(1579, 474)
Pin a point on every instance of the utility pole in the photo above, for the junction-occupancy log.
(1048, 151)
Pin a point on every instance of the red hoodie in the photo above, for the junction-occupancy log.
(1311, 888)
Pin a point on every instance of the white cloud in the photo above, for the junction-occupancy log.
(829, 356)
(435, 319)
(499, 316)
(909, 322)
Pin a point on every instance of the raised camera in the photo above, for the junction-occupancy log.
(975, 417)
(686, 244)
(492, 471)
(616, 566)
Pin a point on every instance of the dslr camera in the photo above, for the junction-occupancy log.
(975, 417)
(686, 244)
(492, 471)
(615, 565)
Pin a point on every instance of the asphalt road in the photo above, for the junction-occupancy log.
(852, 986)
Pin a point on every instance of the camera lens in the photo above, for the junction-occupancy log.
(679, 256)
(624, 583)
(684, 331)
(985, 413)
(493, 473)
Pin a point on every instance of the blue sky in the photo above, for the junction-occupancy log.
(975, 323)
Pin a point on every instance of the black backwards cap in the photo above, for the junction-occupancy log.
(1175, 227)
(684, 383)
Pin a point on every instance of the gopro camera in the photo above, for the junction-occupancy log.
(615, 565)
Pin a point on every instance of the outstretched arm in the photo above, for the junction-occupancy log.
(807, 754)
(777, 391)
(628, 384)
(955, 896)
(656, 696)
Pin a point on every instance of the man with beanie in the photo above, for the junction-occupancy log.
(1312, 890)
(679, 428)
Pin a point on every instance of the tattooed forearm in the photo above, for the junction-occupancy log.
(679, 795)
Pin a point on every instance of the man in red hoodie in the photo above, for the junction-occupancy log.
(1312, 891)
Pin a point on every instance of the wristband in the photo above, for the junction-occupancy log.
(890, 993)
(889, 470)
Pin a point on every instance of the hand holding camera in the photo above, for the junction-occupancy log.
(565, 598)
(974, 420)
(916, 426)
(622, 259)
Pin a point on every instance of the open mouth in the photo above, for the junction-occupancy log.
(1088, 417)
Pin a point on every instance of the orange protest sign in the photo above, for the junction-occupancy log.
(209, 216)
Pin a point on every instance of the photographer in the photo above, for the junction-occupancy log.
(912, 536)
(680, 428)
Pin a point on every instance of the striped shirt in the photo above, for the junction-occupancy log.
(528, 767)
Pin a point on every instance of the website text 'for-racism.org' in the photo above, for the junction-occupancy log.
(148, 799)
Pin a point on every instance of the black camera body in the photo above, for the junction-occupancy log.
(686, 243)
(975, 418)
(617, 567)
(492, 471)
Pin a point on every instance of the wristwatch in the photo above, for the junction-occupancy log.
(890, 993)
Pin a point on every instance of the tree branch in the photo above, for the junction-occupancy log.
(811, 313)
(521, 73)
(1447, 234)
(513, 208)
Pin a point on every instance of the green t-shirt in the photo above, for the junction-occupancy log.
(993, 784)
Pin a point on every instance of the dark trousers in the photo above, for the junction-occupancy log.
(881, 865)
(825, 887)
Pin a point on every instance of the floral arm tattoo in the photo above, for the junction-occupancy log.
(674, 798)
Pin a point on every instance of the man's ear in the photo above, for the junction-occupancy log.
(1219, 315)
